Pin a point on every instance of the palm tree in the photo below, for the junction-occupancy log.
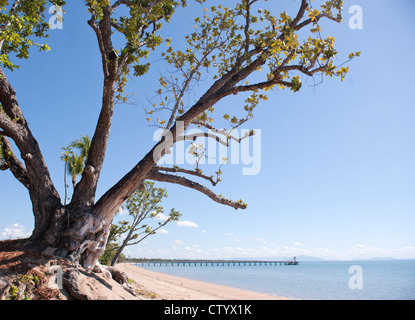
(75, 167)
(76, 163)
(83, 144)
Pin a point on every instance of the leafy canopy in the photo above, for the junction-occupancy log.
(144, 204)
(138, 28)
(21, 23)
(230, 39)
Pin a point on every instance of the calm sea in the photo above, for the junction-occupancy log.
(381, 280)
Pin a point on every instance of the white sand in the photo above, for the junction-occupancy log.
(170, 287)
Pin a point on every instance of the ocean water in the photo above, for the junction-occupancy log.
(326, 280)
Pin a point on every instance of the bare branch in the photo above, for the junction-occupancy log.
(91, 22)
(194, 136)
(190, 172)
(8, 101)
(162, 177)
(316, 19)
(148, 234)
(11, 162)
(10, 127)
(304, 70)
(106, 38)
(223, 132)
(300, 14)
(120, 2)
(247, 23)
(115, 25)
(84, 192)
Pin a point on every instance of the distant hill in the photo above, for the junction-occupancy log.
(309, 258)
(381, 259)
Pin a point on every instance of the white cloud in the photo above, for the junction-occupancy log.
(298, 244)
(360, 246)
(181, 249)
(194, 252)
(15, 231)
(163, 231)
(233, 236)
(122, 211)
(261, 240)
(161, 216)
(204, 231)
(187, 224)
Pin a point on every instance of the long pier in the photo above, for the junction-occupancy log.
(216, 262)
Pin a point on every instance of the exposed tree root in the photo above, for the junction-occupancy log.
(29, 274)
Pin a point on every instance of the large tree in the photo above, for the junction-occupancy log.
(249, 50)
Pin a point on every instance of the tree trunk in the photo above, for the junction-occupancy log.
(78, 230)
(86, 239)
(120, 249)
(80, 236)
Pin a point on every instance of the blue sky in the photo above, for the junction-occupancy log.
(337, 177)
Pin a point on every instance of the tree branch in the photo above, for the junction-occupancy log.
(98, 34)
(8, 101)
(34, 174)
(162, 177)
(10, 127)
(303, 69)
(13, 163)
(194, 136)
(186, 171)
(300, 14)
(247, 23)
(316, 19)
(84, 193)
(215, 135)
(120, 2)
(105, 29)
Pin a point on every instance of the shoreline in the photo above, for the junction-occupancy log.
(162, 286)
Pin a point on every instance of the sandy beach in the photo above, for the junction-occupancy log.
(164, 286)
